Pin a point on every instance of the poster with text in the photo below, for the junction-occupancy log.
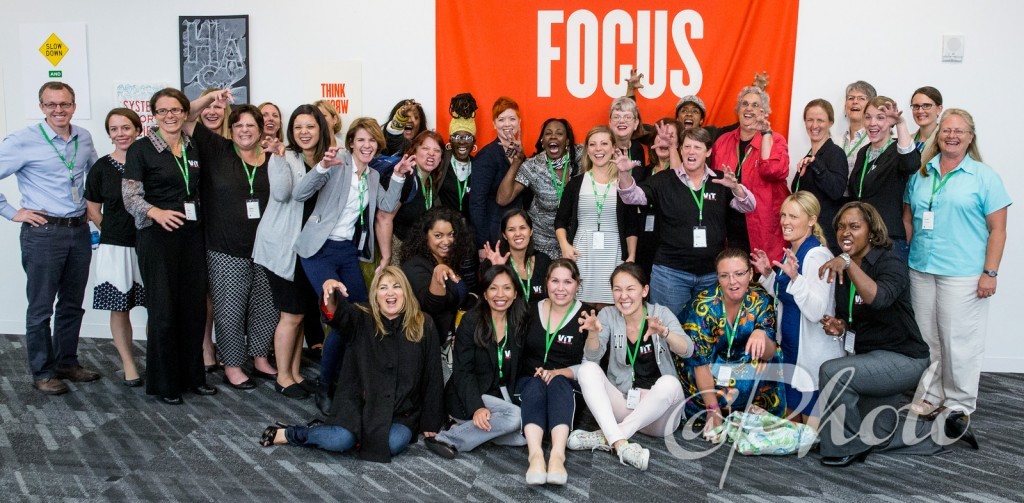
(136, 97)
(341, 84)
(571, 58)
(214, 52)
(54, 51)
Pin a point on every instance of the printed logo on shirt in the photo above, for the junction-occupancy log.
(710, 196)
(538, 289)
(647, 349)
(857, 300)
(508, 354)
(192, 163)
(565, 339)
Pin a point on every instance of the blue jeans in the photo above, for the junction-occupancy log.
(339, 439)
(673, 288)
(336, 260)
(506, 424)
(547, 405)
(56, 262)
(901, 248)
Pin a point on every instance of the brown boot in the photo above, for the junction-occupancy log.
(51, 386)
(77, 373)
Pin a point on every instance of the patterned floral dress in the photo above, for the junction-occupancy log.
(705, 322)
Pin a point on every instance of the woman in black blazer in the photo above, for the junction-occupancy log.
(823, 171)
(390, 387)
(481, 395)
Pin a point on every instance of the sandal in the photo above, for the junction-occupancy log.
(269, 434)
(923, 408)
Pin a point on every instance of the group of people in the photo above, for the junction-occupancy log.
(653, 273)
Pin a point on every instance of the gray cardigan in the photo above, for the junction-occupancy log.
(282, 219)
(334, 185)
(613, 326)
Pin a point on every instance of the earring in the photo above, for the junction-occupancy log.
(448, 146)
(474, 148)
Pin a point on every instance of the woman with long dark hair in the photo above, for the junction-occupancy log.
(516, 249)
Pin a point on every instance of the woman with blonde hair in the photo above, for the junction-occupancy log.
(803, 299)
(379, 405)
(333, 120)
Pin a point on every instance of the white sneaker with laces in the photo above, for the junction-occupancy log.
(582, 440)
(634, 455)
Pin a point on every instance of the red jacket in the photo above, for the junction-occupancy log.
(766, 179)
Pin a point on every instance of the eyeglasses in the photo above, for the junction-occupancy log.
(954, 132)
(923, 106)
(462, 137)
(735, 275)
(751, 104)
(160, 112)
(63, 106)
(623, 117)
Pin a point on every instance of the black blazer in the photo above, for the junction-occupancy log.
(566, 218)
(420, 270)
(827, 178)
(475, 370)
(885, 183)
(384, 380)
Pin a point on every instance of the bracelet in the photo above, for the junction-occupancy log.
(709, 407)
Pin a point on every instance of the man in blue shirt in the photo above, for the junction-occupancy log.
(51, 160)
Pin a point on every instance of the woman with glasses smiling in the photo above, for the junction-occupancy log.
(733, 330)
(926, 106)
(957, 206)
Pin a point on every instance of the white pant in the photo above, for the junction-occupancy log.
(953, 321)
(657, 414)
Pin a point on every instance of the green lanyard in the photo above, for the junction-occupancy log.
(428, 194)
(853, 295)
(855, 145)
(250, 175)
(69, 165)
(529, 276)
(550, 333)
(559, 184)
(636, 347)
(363, 187)
(501, 351)
(937, 185)
(730, 330)
(182, 165)
(699, 201)
(864, 168)
(599, 202)
(739, 166)
(461, 185)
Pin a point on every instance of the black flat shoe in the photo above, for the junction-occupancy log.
(294, 391)
(264, 375)
(204, 390)
(244, 385)
(309, 385)
(445, 450)
(214, 368)
(270, 433)
(172, 399)
(958, 426)
(134, 383)
(843, 461)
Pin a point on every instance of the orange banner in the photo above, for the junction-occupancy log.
(570, 58)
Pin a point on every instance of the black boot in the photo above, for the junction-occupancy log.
(324, 398)
(958, 426)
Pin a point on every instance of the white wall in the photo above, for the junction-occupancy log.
(900, 44)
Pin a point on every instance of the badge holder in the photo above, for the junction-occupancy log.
(252, 208)
(191, 210)
(633, 399)
(700, 236)
(598, 240)
(928, 221)
(724, 376)
(848, 345)
(649, 224)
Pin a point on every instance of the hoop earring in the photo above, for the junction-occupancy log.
(448, 147)
(474, 149)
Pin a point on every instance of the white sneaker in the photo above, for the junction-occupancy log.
(634, 455)
(582, 440)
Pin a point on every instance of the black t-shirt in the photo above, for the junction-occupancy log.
(228, 228)
(566, 348)
(646, 368)
(538, 290)
(103, 185)
(414, 205)
(159, 172)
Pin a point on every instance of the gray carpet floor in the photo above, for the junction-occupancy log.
(106, 442)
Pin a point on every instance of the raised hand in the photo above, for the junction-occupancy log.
(621, 159)
(760, 261)
(589, 322)
(893, 113)
(331, 157)
(790, 266)
(494, 254)
(667, 135)
(633, 82)
(833, 269)
(406, 165)
(331, 286)
(763, 124)
(273, 145)
(728, 178)
(761, 80)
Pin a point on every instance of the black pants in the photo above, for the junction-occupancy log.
(173, 267)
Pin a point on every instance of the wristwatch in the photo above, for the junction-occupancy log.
(991, 273)
(846, 258)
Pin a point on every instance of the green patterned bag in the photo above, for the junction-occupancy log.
(759, 433)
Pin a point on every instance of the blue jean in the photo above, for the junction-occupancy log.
(673, 288)
(506, 423)
(338, 439)
(901, 248)
(547, 405)
(56, 262)
(335, 260)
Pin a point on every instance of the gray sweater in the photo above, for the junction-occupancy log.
(282, 220)
(613, 326)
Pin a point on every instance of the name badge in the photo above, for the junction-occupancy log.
(252, 208)
(190, 211)
(505, 395)
(700, 237)
(724, 376)
(928, 220)
(598, 240)
(76, 194)
(649, 224)
(851, 336)
(632, 398)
